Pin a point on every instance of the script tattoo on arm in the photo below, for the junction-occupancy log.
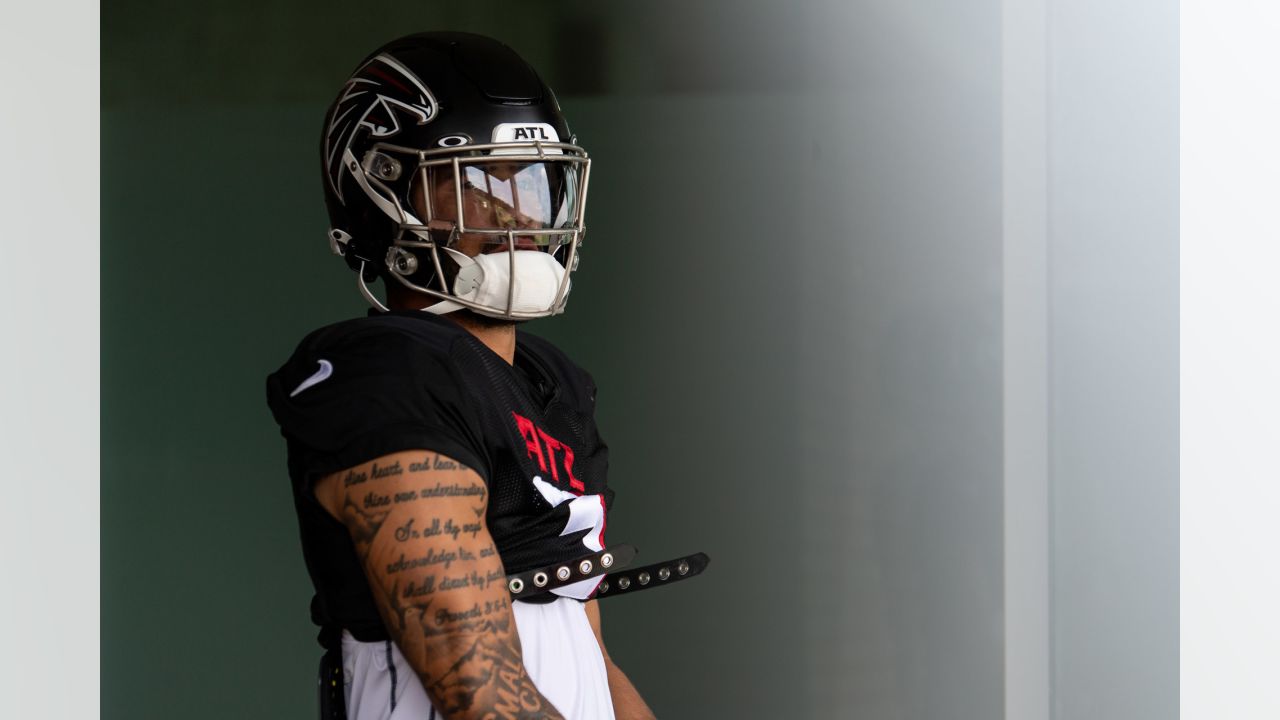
(417, 521)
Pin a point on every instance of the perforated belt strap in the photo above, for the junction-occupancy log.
(652, 576)
(542, 580)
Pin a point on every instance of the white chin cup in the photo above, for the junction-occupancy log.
(485, 280)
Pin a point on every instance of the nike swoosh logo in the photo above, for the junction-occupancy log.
(326, 369)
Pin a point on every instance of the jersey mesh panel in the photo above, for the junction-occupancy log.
(526, 528)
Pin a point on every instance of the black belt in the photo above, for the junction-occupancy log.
(651, 576)
(534, 584)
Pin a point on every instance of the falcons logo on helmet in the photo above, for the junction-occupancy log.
(379, 96)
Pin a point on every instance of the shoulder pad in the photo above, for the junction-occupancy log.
(577, 384)
(356, 389)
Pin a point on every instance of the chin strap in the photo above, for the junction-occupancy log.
(468, 280)
(523, 281)
(443, 307)
(440, 308)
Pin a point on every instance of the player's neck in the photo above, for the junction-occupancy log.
(498, 337)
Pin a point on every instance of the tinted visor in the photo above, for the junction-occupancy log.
(496, 196)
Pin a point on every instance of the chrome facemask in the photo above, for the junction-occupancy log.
(517, 196)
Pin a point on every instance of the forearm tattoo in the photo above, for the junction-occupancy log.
(440, 585)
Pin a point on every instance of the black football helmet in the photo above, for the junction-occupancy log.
(444, 149)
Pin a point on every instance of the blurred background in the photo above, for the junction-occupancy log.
(881, 298)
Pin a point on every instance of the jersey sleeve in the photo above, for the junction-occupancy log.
(342, 402)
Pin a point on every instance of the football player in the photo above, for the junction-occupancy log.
(448, 476)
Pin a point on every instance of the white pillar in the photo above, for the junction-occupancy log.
(1026, 362)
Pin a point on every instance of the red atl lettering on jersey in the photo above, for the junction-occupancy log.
(534, 440)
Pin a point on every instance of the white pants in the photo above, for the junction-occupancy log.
(560, 653)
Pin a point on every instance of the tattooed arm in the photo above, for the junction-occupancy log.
(627, 703)
(417, 520)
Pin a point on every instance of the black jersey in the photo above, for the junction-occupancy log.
(399, 381)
